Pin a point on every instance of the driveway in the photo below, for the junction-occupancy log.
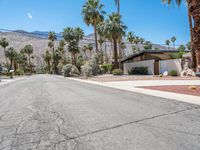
(45, 112)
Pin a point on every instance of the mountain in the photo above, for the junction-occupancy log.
(39, 40)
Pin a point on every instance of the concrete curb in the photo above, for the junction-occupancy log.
(169, 95)
(8, 81)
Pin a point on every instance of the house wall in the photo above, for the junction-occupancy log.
(146, 63)
(169, 65)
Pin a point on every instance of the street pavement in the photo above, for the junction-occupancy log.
(45, 112)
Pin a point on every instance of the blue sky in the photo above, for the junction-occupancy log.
(147, 18)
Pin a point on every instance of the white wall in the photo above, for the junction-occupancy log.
(147, 63)
(169, 65)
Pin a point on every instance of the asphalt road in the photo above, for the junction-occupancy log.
(46, 112)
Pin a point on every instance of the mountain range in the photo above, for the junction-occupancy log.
(39, 40)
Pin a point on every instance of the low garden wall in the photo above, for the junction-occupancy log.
(147, 63)
(169, 65)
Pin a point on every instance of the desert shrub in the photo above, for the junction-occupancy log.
(173, 73)
(138, 71)
(66, 70)
(117, 72)
(107, 68)
(74, 71)
(19, 72)
(87, 70)
(40, 70)
(70, 70)
(80, 62)
(91, 68)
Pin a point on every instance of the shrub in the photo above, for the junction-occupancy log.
(70, 70)
(173, 73)
(192, 88)
(107, 68)
(91, 68)
(74, 71)
(138, 71)
(87, 70)
(66, 70)
(117, 72)
(19, 72)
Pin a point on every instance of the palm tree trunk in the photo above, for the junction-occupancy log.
(118, 7)
(194, 6)
(49, 66)
(54, 65)
(5, 58)
(194, 65)
(116, 64)
(11, 62)
(30, 67)
(106, 54)
(96, 40)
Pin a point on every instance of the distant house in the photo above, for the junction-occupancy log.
(157, 61)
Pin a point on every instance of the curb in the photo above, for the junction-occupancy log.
(167, 95)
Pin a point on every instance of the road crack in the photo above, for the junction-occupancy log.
(133, 122)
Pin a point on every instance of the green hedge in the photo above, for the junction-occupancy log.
(107, 68)
(173, 73)
(138, 71)
(117, 72)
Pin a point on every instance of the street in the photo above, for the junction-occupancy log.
(46, 112)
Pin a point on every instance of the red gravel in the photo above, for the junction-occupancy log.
(181, 89)
(110, 78)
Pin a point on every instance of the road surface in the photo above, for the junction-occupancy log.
(46, 112)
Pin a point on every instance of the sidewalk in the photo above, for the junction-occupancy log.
(132, 86)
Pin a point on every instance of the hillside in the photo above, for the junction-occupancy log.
(20, 38)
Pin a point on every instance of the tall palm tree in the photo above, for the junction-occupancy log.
(93, 14)
(28, 49)
(72, 36)
(167, 42)
(47, 58)
(11, 54)
(115, 28)
(173, 40)
(117, 3)
(193, 16)
(52, 37)
(4, 43)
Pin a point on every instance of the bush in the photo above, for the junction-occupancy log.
(74, 71)
(138, 71)
(87, 70)
(66, 70)
(107, 68)
(117, 72)
(173, 73)
(70, 70)
(91, 68)
(19, 72)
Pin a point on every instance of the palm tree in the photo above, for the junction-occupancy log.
(193, 16)
(115, 29)
(4, 43)
(167, 42)
(90, 48)
(117, 3)
(52, 37)
(11, 54)
(93, 15)
(72, 36)
(28, 49)
(173, 40)
(47, 58)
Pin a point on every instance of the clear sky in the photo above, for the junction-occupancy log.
(147, 18)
